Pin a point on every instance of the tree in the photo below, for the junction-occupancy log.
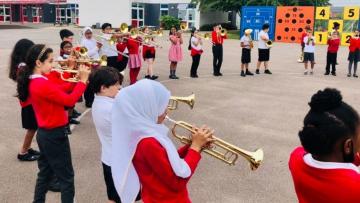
(235, 5)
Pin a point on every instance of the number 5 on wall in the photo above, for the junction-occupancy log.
(351, 13)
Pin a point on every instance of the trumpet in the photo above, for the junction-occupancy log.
(223, 32)
(251, 43)
(205, 36)
(310, 39)
(74, 74)
(269, 44)
(183, 26)
(174, 101)
(220, 149)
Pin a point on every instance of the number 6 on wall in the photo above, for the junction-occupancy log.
(351, 13)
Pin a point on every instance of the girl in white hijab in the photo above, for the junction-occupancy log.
(143, 154)
(90, 43)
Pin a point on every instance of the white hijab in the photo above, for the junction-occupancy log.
(134, 117)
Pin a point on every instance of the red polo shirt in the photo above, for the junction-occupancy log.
(333, 45)
(340, 183)
(49, 100)
(133, 45)
(217, 40)
(354, 44)
(158, 180)
(121, 46)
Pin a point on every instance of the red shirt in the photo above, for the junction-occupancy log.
(121, 46)
(323, 185)
(49, 100)
(354, 44)
(133, 46)
(195, 52)
(158, 180)
(303, 35)
(148, 48)
(333, 45)
(216, 40)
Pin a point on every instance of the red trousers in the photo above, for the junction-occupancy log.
(134, 72)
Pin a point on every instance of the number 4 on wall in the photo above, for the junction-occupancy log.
(322, 13)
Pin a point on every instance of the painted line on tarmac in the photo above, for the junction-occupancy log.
(72, 126)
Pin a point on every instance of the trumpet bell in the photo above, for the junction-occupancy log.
(83, 51)
(159, 32)
(207, 36)
(269, 44)
(183, 26)
(124, 28)
(223, 32)
(174, 101)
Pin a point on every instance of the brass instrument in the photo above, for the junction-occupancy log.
(223, 32)
(251, 43)
(183, 26)
(269, 44)
(205, 36)
(174, 101)
(310, 39)
(220, 149)
(124, 28)
(75, 72)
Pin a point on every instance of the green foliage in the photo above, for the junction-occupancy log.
(209, 27)
(169, 21)
(235, 5)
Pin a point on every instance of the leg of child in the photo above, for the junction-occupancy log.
(349, 68)
(327, 69)
(258, 65)
(306, 67)
(355, 69)
(150, 71)
(266, 64)
(27, 141)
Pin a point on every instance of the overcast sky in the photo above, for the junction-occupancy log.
(345, 2)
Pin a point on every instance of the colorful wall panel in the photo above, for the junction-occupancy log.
(325, 17)
(253, 17)
(291, 21)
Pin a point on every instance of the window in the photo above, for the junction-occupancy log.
(164, 9)
(137, 14)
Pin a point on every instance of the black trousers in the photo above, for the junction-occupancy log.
(195, 64)
(217, 57)
(55, 159)
(331, 59)
(89, 96)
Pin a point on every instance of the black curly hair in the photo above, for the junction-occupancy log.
(329, 120)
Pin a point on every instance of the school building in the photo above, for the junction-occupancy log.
(39, 11)
(144, 12)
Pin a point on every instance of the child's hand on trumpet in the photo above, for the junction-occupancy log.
(201, 138)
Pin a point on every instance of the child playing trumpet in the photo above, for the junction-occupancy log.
(247, 44)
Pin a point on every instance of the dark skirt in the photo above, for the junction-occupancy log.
(28, 118)
(246, 56)
(149, 55)
(354, 56)
(264, 55)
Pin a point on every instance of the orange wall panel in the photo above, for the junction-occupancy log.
(291, 21)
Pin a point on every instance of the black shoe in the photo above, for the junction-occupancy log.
(267, 71)
(67, 130)
(242, 74)
(249, 73)
(220, 74)
(54, 185)
(147, 76)
(355, 76)
(154, 77)
(194, 76)
(27, 157)
(334, 74)
(88, 105)
(76, 113)
(327, 73)
(73, 121)
(33, 152)
(257, 71)
(176, 77)
(349, 75)
(216, 74)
